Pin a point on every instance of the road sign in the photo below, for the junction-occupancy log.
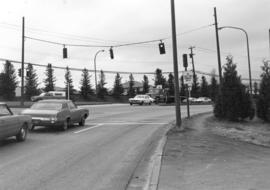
(188, 77)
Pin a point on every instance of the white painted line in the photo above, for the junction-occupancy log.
(89, 128)
(129, 123)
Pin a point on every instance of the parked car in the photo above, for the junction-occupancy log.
(203, 100)
(191, 99)
(13, 125)
(56, 113)
(141, 99)
(49, 95)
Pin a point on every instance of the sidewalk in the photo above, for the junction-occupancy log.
(198, 159)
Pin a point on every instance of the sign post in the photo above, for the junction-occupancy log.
(188, 80)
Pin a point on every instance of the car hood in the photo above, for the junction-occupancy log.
(39, 112)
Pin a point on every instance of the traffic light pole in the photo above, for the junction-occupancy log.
(22, 66)
(175, 64)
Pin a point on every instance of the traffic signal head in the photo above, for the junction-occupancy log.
(161, 48)
(111, 53)
(65, 53)
(27, 73)
(20, 72)
(185, 60)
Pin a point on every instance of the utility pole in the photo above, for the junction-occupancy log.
(175, 64)
(269, 42)
(192, 60)
(218, 49)
(22, 66)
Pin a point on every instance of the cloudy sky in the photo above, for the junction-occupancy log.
(114, 22)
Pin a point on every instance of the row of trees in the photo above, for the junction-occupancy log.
(235, 102)
(8, 83)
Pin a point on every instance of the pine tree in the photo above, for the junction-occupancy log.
(118, 87)
(8, 81)
(50, 80)
(233, 103)
(213, 88)
(86, 88)
(69, 84)
(195, 89)
(204, 90)
(31, 82)
(145, 84)
(159, 78)
(131, 90)
(263, 103)
(171, 84)
(101, 90)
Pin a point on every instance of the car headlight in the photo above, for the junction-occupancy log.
(53, 119)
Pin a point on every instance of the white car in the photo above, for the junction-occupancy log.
(191, 99)
(203, 100)
(141, 99)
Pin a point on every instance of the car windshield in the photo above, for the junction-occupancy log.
(47, 106)
(4, 110)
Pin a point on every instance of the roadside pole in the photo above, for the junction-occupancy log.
(175, 64)
(22, 65)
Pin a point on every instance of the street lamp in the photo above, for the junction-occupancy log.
(249, 69)
(95, 66)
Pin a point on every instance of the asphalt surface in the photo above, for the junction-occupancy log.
(101, 155)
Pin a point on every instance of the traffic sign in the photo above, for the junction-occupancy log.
(188, 77)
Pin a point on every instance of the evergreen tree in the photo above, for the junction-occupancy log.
(8, 81)
(69, 84)
(195, 89)
(171, 84)
(236, 100)
(131, 90)
(86, 88)
(159, 78)
(263, 103)
(31, 82)
(50, 79)
(145, 84)
(101, 90)
(118, 87)
(256, 89)
(204, 90)
(213, 88)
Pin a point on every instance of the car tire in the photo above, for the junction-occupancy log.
(82, 122)
(141, 103)
(21, 136)
(130, 104)
(150, 103)
(65, 125)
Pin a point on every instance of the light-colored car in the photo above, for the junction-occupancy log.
(191, 99)
(141, 99)
(56, 113)
(203, 100)
(13, 125)
(49, 95)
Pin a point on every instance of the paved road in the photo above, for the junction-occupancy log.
(101, 155)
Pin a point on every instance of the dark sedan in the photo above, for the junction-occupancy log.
(56, 113)
(13, 125)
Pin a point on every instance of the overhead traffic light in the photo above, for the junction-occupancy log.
(20, 72)
(185, 60)
(65, 55)
(111, 53)
(161, 48)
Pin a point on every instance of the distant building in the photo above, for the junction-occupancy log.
(138, 86)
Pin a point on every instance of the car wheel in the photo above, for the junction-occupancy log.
(141, 103)
(21, 136)
(32, 128)
(130, 104)
(150, 103)
(82, 122)
(65, 125)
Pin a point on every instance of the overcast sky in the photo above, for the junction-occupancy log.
(113, 22)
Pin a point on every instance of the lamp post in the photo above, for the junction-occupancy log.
(95, 68)
(249, 69)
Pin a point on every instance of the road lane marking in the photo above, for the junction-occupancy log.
(87, 129)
